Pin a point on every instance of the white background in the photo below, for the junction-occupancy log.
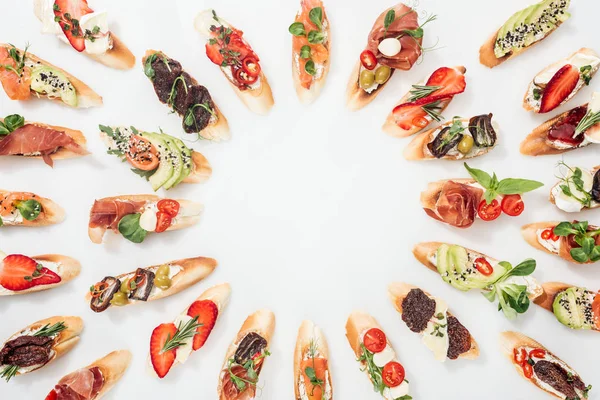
(311, 211)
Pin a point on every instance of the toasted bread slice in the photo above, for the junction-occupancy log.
(397, 291)
(356, 97)
(310, 336)
(553, 200)
(51, 213)
(529, 233)
(551, 289)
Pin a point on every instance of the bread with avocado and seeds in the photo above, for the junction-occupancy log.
(575, 307)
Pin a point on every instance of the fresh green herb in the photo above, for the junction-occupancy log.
(51, 330)
(173, 94)
(11, 123)
(418, 33)
(437, 330)
(315, 37)
(8, 372)
(118, 138)
(148, 69)
(316, 16)
(586, 391)
(584, 237)
(455, 129)
(310, 371)
(297, 29)
(129, 226)
(574, 179)
(419, 91)
(310, 68)
(537, 93)
(185, 332)
(493, 187)
(433, 110)
(1, 223)
(19, 60)
(29, 209)
(531, 362)
(586, 74)
(373, 370)
(251, 371)
(37, 273)
(144, 174)
(589, 119)
(389, 18)
(305, 51)
(190, 117)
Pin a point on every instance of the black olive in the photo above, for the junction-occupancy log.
(482, 130)
(250, 345)
(596, 187)
(443, 142)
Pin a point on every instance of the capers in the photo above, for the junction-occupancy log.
(466, 144)
(382, 74)
(367, 79)
(162, 282)
(119, 299)
(163, 270)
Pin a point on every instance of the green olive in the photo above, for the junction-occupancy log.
(367, 78)
(163, 270)
(162, 282)
(125, 286)
(466, 144)
(119, 299)
(382, 74)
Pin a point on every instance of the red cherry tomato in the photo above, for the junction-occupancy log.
(52, 395)
(163, 221)
(168, 206)
(537, 353)
(489, 212)
(520, 356)
(527, 370)
(512, 204)
(548, 234)
(393, 374)
(251, 66)
(375, 340)
(483, 266)
(368, 59)
(243, 77)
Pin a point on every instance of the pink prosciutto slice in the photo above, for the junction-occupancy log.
(106, 214)
(32, 139)
(83, 384)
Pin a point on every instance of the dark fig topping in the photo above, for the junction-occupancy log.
(444, 142)
(250, 345)
(26, 351)
(141, 285)
(101, 302)
(482, 130)
(596, 187)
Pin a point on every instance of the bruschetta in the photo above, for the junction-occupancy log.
(578, 188)
(425, 102)
(573, 129)
(24, 75)
(577, 242)
(164, 160)
(458, 202)
(466, 269)
(458, 139)
(38, 344)
(133, 216)
(311, 43)
(522, 30)
(429, 316)
(393, 43)
(185, 96)
(36, 140)
(28, 209)
(559, 82)
(542, 368)
(573, 306)
(312, 374)
(172, 343)
(95, 380)
(227, 47)
(149, 283)
(246, 357)
(86, 30)
(377, 357)
(20, 274)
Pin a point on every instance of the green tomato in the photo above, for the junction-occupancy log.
(382, 74)
(466, 144)
(163, 270)
(367, 79)
(119, 299)
(162, 282)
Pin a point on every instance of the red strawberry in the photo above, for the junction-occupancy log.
(451, 81)
(162, 362)
(559, 88)
(69, 13)
(207, 312)
(52, 395)
(213, 53)
(19, 272)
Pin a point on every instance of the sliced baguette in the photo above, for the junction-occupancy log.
(529, 233)
(193, 271)
(51, 213)
(63, 342)
(68, 269)
(397, 291)
(356, 97)
(310, 334)
(553, 200)
(261, 322)
(86, 97)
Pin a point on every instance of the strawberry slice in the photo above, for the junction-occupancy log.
(559, 87)
(69, 13)
(52, 395)
(19, 272)
(451, 81)
(214, 54)
(207, 312)
(409, 115)
(162, 361)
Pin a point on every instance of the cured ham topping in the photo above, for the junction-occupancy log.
(457, 204)
(108, 213)
(83, 384)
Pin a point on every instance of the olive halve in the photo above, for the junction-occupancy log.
(480, 127)
(250, 345)
(596, 187)
(444, 142)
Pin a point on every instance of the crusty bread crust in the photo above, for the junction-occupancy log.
(309, 332)
(553, 200)
(113, 367)
(118, 57)
(52, 212)
(529, 233)
(356, 97)
(86, 97)
(551, 289)
(431, 194)
(397, 291)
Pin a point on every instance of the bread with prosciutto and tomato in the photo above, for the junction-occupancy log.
(312, 373)
(28, 209)
(84, 29)
(227, 48)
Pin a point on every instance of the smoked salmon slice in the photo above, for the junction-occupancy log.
(16, 83)
(319, 52)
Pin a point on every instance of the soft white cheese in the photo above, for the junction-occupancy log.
(435, 335)
(101, 42)
(570, 203)
(14, 218)
(190, 209)
(384, 356)
(551, 245)
(534, 289)
(205, 20)
(398, 391)
(302, 388)
(389, 47)
(183, 351)
(148, 218)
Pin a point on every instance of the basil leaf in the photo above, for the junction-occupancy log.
(29, 209)
(489, 195)
(390, 16)
(579, 255)
(14, 121)
(305, 51)
(129, 226)
(309, 67)
(297, 29)
(148, 70)
(316, 16)
(563, 229)
(523, 269)
(482, 177)
(315, 37)
(517, 186)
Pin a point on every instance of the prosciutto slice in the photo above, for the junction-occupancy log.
(32, 139)
(406, 19)
(457, 204)
(107, 213)
(83, 384)
(230, 390)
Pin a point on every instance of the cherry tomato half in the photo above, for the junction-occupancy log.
(169, 206)
(489, 212)
(368, 59)
(142, 154)
(375, 340)
(537, 353)
(520, 356)
(527, 370)
(548, 234)
(163, 221)
(512, 204)
(243, 77)
(483, 266)
(251, 66)
(393, 374)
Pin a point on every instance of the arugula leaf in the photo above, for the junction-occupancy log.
(297, 29)
(373, 370)
(316, 16)
(29, 209)
(130, 228)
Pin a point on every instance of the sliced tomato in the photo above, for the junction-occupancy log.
(527, 370)
(163, 221)
(142, 154)
(483, 266)
(375, 340)
(393, 374)
(537, 353)
(512, 204)
(519, 355)
(368, 59)
(251, 66)
(241, 76)
(169, 206)
(489, 212)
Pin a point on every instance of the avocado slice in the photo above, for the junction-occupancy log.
(572, 308)
(539, 22)
(186, 159)
(175, 159)
(54, 83)
(165, 169)
(450, 262)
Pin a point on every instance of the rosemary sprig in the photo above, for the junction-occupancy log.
(420, 91)
(187, 331)
(51, 330)
(589, 119)
(433, 110)
(8, 372)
